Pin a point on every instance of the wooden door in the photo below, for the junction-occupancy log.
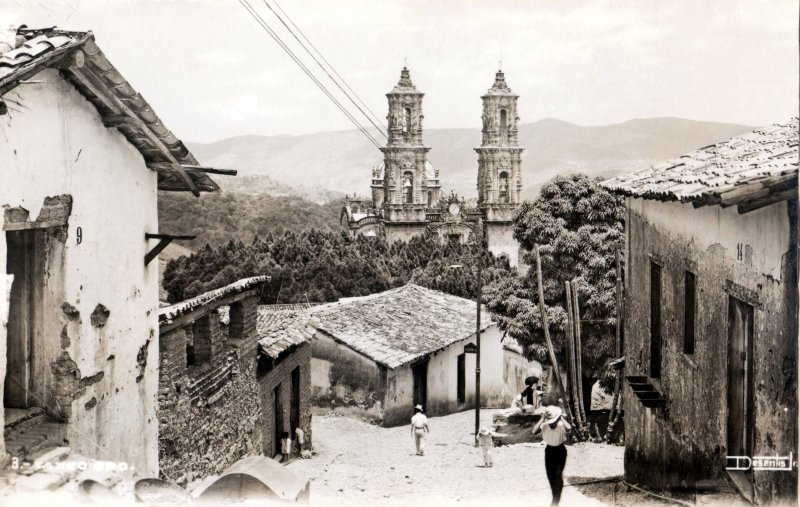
(420, 373)
(24, 261)
(740, 378)
(294, 415)
(277, 410)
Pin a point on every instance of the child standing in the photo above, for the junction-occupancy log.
(286, 446)
(485, 442)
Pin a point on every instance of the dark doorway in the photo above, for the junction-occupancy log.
(277, 410)
(420, 373)
(740, 378)
(24, 260)
(655, 320)
(461, 378)
(294, 415)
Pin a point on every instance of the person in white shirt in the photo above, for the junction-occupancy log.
(554, 434)
(419, 426)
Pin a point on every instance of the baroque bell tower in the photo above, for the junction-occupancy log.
(410, 184)
(499, 173)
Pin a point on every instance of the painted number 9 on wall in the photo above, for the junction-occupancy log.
(78, 235)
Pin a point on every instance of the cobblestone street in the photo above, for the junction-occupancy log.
(361, 464)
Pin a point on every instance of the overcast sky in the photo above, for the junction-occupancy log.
(211, 72)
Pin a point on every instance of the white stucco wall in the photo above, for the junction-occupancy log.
(500, 241)
(57, 145)
(5, 291)
(497, 387)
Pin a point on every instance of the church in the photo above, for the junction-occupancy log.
(406, 193)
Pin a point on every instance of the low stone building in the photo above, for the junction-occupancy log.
(284, 374)
(233, 377)
(82, 159)
(383, 354)
(711, 316)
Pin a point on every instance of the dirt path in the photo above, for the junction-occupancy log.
(361, 464)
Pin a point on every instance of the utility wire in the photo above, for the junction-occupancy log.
(294, 57)
(379, 124)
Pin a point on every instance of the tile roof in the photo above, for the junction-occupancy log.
(167, 314)
(280, 328)
(397, 326)
(750, 170)
(82, 63)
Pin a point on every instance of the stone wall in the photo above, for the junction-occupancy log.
(746, 256)
(209, 413)
(281, 373)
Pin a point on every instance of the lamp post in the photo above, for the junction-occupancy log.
(479, 238)
(478, 231)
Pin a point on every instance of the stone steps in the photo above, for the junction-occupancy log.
(34, 434)
(21, 418)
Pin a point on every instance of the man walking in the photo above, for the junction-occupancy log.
(419, 426)
(554, 434)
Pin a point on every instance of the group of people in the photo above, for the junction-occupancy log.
(552, 425)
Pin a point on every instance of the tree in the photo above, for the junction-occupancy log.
(578, 225)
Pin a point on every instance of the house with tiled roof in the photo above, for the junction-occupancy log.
(387, 352)
(284, 373)
(711, 320)
(82, 160)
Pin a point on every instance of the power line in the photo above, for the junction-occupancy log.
(294, 57)
(377, 125)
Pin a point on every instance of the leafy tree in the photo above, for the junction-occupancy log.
(578, 226)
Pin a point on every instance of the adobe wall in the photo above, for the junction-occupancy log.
(341, 377)
(686, 440)
(99, 374)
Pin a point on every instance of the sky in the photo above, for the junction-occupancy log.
(211, 72)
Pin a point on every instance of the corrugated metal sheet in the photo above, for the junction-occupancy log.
(763, 159)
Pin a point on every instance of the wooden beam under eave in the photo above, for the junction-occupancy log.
(87, 79)
(783, 195)
(158, 166)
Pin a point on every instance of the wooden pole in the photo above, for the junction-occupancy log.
(613, 415)
(546, 328)
(571, 379)
(578, 362)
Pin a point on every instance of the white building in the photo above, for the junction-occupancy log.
(81, 160)
(385, 353)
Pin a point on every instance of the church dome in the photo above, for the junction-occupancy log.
(430, 172)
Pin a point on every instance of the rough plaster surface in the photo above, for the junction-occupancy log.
(686, 440)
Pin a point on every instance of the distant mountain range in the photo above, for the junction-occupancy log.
(325, 165)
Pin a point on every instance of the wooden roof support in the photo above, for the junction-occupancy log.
(114, 104)
(783, 195)
(164, 240)
(157, 166)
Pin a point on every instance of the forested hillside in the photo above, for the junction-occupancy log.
(319, 266)
(225, 216)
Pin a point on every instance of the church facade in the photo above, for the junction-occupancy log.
(407, 197)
